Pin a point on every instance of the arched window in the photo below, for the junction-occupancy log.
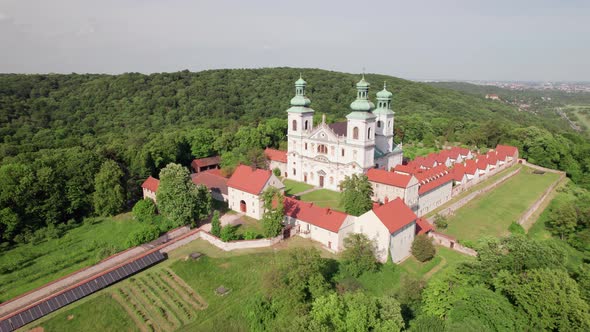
(389, 125)
(305, 125)
(322, 148)
(369, 133)
(355, 133)
(379, 124)
(294, 126)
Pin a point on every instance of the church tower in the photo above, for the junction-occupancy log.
(300, 124)
(360, 136)
(384, 130)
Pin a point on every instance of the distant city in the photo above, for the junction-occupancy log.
(570, 87)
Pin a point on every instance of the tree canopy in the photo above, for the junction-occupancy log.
(356, 194)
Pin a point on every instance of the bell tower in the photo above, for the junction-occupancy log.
(385, 118)
(360, 133)
(300, 124)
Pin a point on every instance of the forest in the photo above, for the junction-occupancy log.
(69, 143)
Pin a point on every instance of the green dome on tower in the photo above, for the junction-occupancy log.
(362, 83)
(384, 94)
(300, 100)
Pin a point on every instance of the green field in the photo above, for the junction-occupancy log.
(100, 313)
(32, 265)
(153, 301)
(294, 187)
(324, 198)
(492, 213)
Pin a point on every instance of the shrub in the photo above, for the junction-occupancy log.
(422, 248)
(215, 224)
(143, 236)
(276, 171)
(228, 233)
(467, 243)
(516, 228)
(440, 221)
(250, 235)
(144, 210)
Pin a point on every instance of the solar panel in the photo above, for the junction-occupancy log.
(5, 326)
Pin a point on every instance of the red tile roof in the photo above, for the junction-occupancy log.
(321, 217)
(492, 159)
(435, 184)
(470, 166)
(211, 179)
(458, 172)
(422, 226)
(151, 184)
(389, 178)
(276, 155)
(460, 150)
(408, 169)
(482, 162)
(249, 180)
(204, 162)
(395, 215)
(432, 173)
(507, 149)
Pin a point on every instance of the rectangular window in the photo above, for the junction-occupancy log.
(342, 152)
(305, 146)
(294, 172)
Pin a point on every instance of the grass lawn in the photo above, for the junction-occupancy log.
(386, 281)
(478, 186)
(249, 224)
(492, 213)
(100, 313)
(33, 265)
(239, 271)
(324, 198)
(294, 187)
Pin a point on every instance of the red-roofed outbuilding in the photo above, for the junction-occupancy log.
(245, 187)
(150, 187)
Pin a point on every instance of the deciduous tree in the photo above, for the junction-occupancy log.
(109, 194)
(356, 194)
(422, 248)
(358, 255)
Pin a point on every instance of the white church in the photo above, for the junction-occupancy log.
(325, 154)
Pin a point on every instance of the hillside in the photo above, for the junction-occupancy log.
(137, 105)
(58, 132)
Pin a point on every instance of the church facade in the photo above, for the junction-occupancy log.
(325, 154)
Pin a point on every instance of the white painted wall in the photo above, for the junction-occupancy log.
(149, 194)
(254, 204)
(327, 238)
(370, 225)
(434, 198)
(401, 243)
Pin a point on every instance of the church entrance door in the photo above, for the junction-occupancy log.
(321, 181)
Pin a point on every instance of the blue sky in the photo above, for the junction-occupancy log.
(487, 40)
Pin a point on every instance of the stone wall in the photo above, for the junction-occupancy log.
(451, 242)
(533, 208)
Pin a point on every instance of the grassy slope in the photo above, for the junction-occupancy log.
(101, 313)
(52, 259)
(241, 272)
(492, 213)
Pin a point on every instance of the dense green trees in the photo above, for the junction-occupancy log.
(356, 194)
(108, 191)
(215, 224)
(358, 255)
(179, 199)
(144, 122)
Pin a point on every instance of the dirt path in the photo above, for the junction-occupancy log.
(528, 223)
(437, 268)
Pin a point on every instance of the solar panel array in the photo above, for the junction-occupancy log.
(47, 306)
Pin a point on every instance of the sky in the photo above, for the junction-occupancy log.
(537, 40)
